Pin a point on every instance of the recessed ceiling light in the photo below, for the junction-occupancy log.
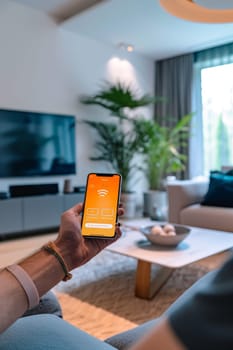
(130, 48)
(191, 11)
(127, 47)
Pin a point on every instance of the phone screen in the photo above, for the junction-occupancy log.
(101, 205)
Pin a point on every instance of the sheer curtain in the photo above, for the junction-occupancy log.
(173, 82)
(203, 59)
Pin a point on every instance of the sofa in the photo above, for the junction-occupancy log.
(188, 203)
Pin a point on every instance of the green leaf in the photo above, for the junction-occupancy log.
(119, 141)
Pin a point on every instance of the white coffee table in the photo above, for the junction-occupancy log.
(157, 263)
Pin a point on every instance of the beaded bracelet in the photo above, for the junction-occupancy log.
(52, 249)
(27, 284)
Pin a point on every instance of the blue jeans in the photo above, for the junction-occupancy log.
(48, 332)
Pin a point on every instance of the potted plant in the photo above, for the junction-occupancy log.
(118, 140)
(162, 157)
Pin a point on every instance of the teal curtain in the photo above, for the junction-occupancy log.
(214, 56)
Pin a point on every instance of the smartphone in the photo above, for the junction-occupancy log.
(101, 205)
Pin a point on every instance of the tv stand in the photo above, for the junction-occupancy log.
(23, 215)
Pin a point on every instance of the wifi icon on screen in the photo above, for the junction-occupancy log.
(102, 192)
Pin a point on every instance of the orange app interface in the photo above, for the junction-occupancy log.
(101, 204)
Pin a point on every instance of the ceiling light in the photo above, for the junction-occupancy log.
(130, 48)
(191, 11)
(127, 47)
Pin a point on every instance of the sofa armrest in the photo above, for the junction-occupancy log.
(182, 194)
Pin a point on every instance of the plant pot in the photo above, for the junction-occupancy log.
(128, 201)
(155, 205)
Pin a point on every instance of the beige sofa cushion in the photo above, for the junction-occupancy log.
(217, 218)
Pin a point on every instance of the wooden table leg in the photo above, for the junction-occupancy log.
(149, 279)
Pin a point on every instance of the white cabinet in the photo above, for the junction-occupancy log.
(26, 214)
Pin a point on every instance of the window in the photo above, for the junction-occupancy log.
(211, 144)
(217, 116)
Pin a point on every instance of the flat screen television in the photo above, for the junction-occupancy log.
(36, 144)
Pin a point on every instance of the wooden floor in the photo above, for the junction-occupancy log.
(15, 249)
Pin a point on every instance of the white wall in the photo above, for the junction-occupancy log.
(45, 68)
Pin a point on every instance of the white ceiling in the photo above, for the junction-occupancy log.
(142, 23)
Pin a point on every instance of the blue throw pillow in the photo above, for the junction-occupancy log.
(220, 191)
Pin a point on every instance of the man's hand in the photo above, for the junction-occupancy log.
(75, 249)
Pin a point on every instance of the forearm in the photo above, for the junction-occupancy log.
(44, 270)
